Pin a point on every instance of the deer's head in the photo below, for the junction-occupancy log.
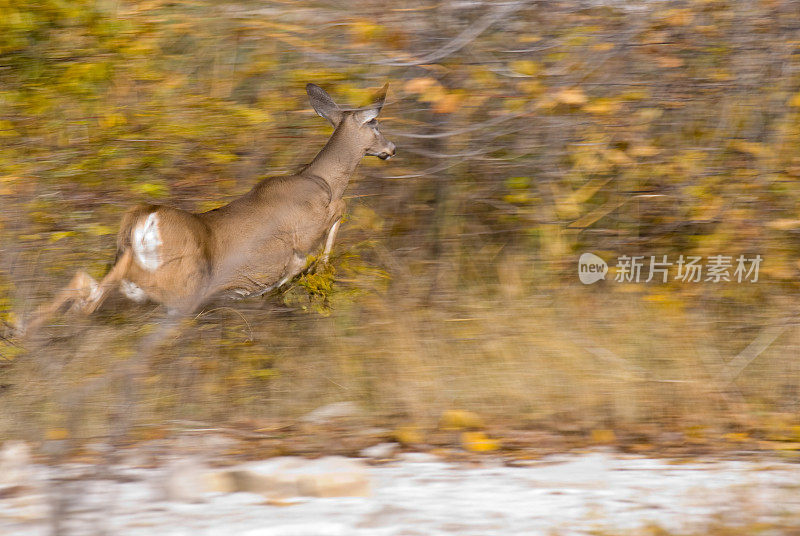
(360, 125)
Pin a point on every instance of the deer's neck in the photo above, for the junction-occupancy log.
(336, 162)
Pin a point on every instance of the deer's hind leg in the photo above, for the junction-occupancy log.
(83, 293)
(112, 279)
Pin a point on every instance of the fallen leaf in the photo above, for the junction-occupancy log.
(457, 420)
(478, 442)
(407, 435)
(603, 436)
(572, 96)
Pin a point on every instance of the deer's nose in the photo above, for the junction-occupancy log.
(388, 151)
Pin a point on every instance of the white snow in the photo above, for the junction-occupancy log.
(420, 495)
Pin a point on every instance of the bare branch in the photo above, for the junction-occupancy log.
(462, 39)
(471, 128)
(763, 340)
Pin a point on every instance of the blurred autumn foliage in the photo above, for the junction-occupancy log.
(527, 133)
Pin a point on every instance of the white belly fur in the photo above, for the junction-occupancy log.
(132, 291)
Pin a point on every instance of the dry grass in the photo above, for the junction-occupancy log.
(571, 359)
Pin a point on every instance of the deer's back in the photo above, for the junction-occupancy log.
(257, 236)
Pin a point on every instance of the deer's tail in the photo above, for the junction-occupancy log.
(129, 221)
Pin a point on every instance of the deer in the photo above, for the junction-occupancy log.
(253, 245)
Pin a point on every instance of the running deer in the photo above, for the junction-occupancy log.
(251, 246)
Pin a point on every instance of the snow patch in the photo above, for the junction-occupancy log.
(567, 495)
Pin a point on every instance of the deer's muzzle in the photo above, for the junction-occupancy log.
(390, 152)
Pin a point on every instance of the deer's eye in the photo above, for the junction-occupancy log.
(372, 123)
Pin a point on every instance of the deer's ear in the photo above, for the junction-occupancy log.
(380, 97)
(366, 115)
(323, 104)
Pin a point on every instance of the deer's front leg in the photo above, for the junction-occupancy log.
(337, 220)
(329, 241)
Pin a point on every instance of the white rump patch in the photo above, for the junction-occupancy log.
(146, 243)
(133, 291)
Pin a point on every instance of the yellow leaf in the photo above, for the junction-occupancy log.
(545, 103)
(695, 431)
(98, 229)
(408, 435)
(112, 120)
(455, 419)
(478, 442)
(572, 96)
(149, 188)
(530, 87)
(601, 106)
(220, 157)
(7, 129)
(737, 437)
(255, 116)
(596, 214)
(752, 148)
(55, 237)
(419, 85)
(525, 67)
(515, 104)
(433, 94)
(365, 30)
(587, 190)
(643, 150)
(517, 198)
(795, 101)
(678, 17)
(363, 217)
(603, 436)
(617, 156)
(12, 318)
(779, 445)
(649, 114)
(669, 62)
(784, 224)
(447, 104)
(56, 434)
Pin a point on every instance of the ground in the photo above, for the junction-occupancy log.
(594, 492)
